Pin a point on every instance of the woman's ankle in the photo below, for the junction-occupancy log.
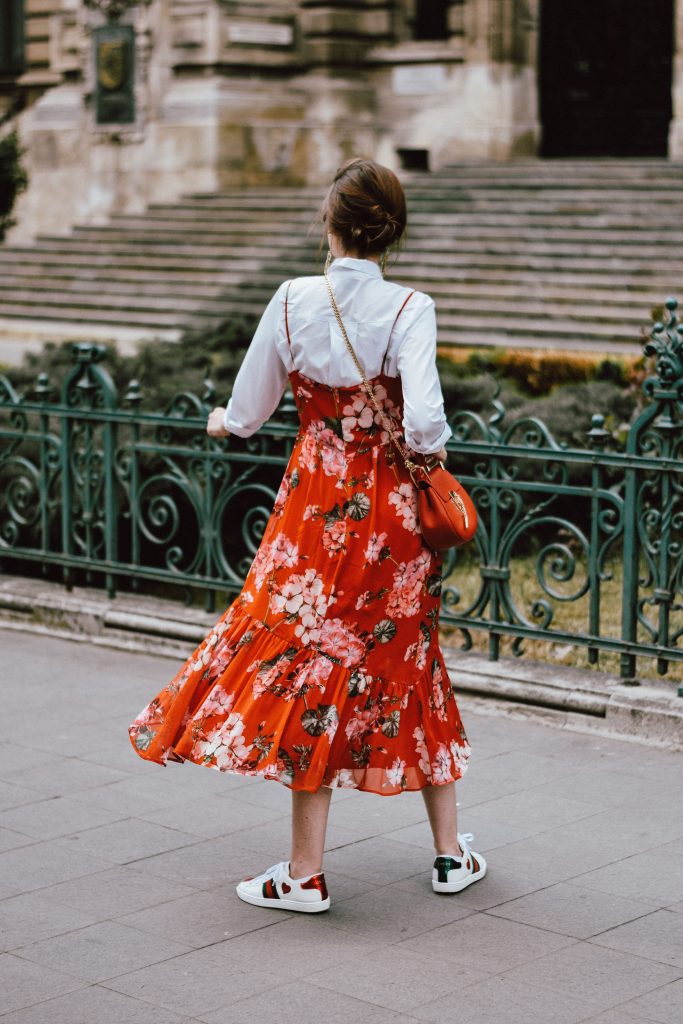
(449, 850)
(303, 869)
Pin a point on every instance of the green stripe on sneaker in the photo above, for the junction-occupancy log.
(445, 864)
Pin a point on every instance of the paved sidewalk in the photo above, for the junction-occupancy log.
(117, 901)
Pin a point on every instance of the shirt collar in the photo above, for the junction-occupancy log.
(362, 266)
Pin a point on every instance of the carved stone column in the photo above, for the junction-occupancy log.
(501, 42)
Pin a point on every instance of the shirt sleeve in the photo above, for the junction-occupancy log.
(424, 419)
(262, 377)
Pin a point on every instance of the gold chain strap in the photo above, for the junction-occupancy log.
(411, 466)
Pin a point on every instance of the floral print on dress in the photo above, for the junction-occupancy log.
(326, 668)
(404, 500)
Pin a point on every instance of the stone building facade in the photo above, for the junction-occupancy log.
(121, 103)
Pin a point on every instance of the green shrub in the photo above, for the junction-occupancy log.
(13, 179)
(162, 368)
(568, 410)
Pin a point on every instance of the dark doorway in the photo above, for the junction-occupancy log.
(605, 77)
(11, 37)
(431, 19)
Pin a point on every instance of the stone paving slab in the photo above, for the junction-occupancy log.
(117, 876)
(94, 1005)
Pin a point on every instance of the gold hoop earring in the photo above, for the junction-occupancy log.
(328, 261)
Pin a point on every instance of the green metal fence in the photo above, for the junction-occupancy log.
(97, 491)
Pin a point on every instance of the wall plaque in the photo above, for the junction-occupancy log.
(260, 33)
(418, 79)
(114, 74)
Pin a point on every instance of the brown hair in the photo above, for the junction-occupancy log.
(366, 207)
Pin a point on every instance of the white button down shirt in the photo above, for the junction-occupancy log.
(369, 306)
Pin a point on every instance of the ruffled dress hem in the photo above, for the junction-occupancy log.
(302, 716)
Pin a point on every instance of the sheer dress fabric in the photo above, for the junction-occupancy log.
(326, 669)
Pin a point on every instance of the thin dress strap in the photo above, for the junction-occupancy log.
(391, 332)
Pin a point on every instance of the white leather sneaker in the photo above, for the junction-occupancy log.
(276, 888)
(451, 874)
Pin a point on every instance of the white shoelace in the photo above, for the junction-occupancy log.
(277, 872)
(465, 838)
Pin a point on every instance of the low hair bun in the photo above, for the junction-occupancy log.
(365, 207)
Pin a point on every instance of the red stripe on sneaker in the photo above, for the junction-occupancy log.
(316, 882)
(269, 890)
(474, 863)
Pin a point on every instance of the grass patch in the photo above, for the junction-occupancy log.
(569, 616)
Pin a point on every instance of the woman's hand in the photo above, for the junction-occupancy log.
(215, 425)
(440, 456)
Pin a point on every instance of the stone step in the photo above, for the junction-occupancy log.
(95, 256)
(134, 294)
(612, 191)
(558, 176)
(91, 315)
(572, 200)
(598, 224)
(131, 285)
(558, 172)
(475, 201)
(233, 213)
(84, 276)
(533, 175)
(470, 204)
(423, 232)
(559, 184)
(600, 227)
(639, 287)
(172, 233)
(125, 303)
(104, 324)
(533, 257)
(24, 275)
(507, 322)
(421, 242)
(107, 265)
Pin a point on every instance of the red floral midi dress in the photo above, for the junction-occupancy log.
(326, 670)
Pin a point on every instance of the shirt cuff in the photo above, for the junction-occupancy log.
(238, 429)
(436, 446)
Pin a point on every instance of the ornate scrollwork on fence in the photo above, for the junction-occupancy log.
(95, 487)
(540, 504)
(653, 555)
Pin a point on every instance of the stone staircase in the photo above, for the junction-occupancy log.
(568, 255)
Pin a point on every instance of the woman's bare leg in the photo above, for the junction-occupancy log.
(309, 824)
(442, 813)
